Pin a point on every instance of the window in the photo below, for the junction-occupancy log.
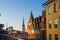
(59, 3)
(49, 10)
(56, 36)
(55, 23)
(55, 7)
(50, 37)
(49, 24)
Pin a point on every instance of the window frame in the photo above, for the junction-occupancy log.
(56, 36)
(59, 3)
(55, 23)
(50, 36)
(55, 7)
(49, 9)
(49, 24)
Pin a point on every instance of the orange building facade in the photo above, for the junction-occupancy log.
(36, 26)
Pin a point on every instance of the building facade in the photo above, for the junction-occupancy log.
(30, 24)
(53, 19)
(36, 27)
(43, 25)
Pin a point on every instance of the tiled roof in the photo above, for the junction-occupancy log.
(49, 1)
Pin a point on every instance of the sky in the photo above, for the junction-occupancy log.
(13, 11)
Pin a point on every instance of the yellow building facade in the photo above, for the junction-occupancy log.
(53, 19)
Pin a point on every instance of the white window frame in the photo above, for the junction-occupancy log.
(49, 10)
(56, 21)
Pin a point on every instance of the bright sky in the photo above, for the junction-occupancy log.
(13, 11)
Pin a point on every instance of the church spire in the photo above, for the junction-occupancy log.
(31, 17)
(23, 21)
(23, 26)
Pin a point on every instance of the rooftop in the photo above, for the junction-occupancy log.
(49, 1)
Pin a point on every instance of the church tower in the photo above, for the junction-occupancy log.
(23, 26)
(30, 23)
(31, 18)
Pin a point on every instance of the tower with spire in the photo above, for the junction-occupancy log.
(23, 26)
(31, 18)
(30, 23)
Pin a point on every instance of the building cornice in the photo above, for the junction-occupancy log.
(49, 1)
